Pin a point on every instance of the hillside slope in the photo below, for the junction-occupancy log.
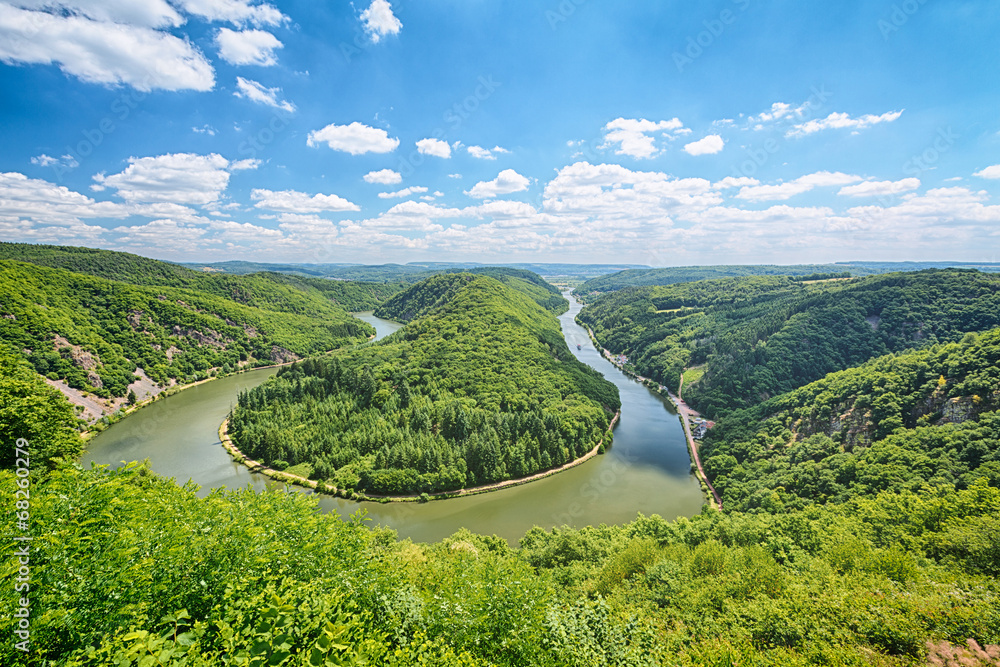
(94, 333)
(898, 422)
(687, 274)
(760, 337)
(281, 292)
(439, 290)
(479, 387)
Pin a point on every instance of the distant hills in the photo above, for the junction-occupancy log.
(757, 337)
(410, 273)
(684, 274)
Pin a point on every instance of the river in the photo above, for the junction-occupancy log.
(647, 470)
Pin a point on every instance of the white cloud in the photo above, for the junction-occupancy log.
(989, 172)
(42, 201)
(485, 153)
(237, 12)
(149, 14)
(735, 182)
(292, 201)
(179, 178)
(710, 145)
(243, 165)
(66, 161)
(255, 92)
(507, 182)
(631, 135)
(779, 111)
(880, 188)
(204, 129)
(379, 21)
(103, 52)
(434, 147)
(355, 139)
(405, 192)
(799, 186)
(383, 177)
(454, 176)
(247, 47)
(837, 121)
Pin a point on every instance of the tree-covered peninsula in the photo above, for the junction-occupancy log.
(479, 387)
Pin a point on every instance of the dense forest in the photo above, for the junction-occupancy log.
(479, 387)
(761, 336)
(93, 332)
(603, 284)
(594, 287)
(862, 508)
(899, 422)
(271, 290)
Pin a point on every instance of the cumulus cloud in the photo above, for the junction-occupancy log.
(880, 188)
(989, 172)
(735, 182)
(507, 181)
(779, 112)
(710, 145)
(836, 121)
(383, 177)
(255, 92)
(292, 201)
(379, 21)
(180, 178)
(150, 13)
(103, 52)
(405, 192)
(435, 147)
(799, 186)
(481, 153)
(632, 135)
(247, 47)
(355, 139)
(237, 12)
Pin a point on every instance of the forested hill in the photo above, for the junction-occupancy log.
(687, 274)
(438, 291)
(93, 333)
(759, 337)
(477, 388)
(272, 291)
(899, 422)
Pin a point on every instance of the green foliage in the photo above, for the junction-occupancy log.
(479, 388)
(898, 422)
(32, 410)
(437, 291)
(93, 332)
(764, 336)
(690, 274)
(128, 568)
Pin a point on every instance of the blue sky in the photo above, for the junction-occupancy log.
(658, 132)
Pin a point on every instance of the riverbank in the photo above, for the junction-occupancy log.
(173, 390)
(684, 413)
(281, 476)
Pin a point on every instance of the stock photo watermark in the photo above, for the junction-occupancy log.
(899, 16)
(22, 546)
(715, 27)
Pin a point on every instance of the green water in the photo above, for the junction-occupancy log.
(647, 471)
